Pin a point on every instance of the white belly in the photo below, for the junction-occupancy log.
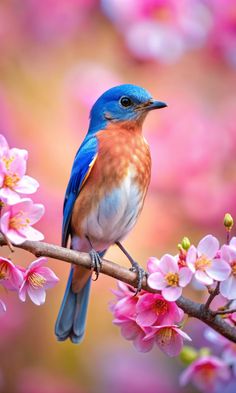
(113, 218)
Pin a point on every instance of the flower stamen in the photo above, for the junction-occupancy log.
(172, 279)
(36, 280)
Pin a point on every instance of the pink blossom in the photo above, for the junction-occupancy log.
(203, 263)
(125, 306)
(154, 309)
(131, 331)
(205, 373)
(17, 219)
(169, 338)
(13, 180)
(2, 307)
(10, 276)
(228, 254)
(37, 279)
(169, 278)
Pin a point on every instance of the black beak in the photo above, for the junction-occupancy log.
(155, 105)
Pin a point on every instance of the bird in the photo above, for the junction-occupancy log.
(105, 194)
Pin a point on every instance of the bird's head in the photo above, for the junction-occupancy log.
(120, 104)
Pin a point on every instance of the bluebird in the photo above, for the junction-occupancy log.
(105, 194)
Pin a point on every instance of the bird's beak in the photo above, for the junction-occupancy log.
(155, 105)
(150, 105)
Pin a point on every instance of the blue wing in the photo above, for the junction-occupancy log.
(83, 162)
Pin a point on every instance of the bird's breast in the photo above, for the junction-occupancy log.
(112, 196)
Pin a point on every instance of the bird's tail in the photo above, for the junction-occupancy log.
(72, 314)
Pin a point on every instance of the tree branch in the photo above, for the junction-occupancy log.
(121, 273)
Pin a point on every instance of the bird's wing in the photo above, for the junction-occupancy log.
(83, 163)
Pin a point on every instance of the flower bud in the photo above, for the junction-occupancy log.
(185, 243)
(188, 354)
(228, 221)
(204, 351)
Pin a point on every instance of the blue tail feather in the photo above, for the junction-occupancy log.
(72, 315)
(71, 319)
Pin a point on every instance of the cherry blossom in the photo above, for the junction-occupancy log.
(10, 276)
(17, 219)
(13, 180)
(169, 338)
(37, 279)
(228, 254)
(169, 278)
(203, 261)
(154, 309)
(205, 373)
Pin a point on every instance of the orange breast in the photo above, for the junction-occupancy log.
(121, 146)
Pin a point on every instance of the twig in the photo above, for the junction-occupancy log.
(212, 296)
(121, 273)
(224, 312)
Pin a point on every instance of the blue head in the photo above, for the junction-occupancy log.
(122, 103)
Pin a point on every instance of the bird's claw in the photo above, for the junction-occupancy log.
(96, 262)
(140, 275)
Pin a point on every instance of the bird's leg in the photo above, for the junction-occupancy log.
(135, 268)
(96, 260)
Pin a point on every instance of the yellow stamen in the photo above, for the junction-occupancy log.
(233, 267)
(19, 221)
(8, 161)
(11, 181)
(172, 279)
(161, 307)
(4, 271)
(36, 280)
(165, 335)
(202, 263)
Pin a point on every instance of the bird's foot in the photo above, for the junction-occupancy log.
(140, 275)
(96, 262)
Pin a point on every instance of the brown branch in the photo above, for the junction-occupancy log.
(121, 273)
(224, 312)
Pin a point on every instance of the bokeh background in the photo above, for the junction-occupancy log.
(56, 57)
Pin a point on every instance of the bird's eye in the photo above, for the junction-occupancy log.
(126, 102)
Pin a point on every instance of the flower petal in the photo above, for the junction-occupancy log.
(171, 293)
(152, 265)
(208, 246)
(203, 277)
(141, 345)
(228, 288)
(146, 318)
(219, 270)
(169, 341)
(156, 281)
(27, 185)
(9, 196)
(37, 296)
(185, 276)
(30, 233)
(168, 264)
(191, 258)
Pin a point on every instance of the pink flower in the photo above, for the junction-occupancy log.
(131, 331)
(2, 307)
(169, 338)
(169, 278)
(206, 373)
(154, 309)
(228, 254)
(10, 276)
(12, 174)
(17, 219)
(37, 279)
(203, 263)
(125, 306)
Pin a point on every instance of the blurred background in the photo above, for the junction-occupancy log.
(56, 58)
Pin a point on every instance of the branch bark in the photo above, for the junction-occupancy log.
(193, 309)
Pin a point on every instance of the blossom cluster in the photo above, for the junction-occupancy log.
(165, 30)
(214, 367)
(17, 215)
(148, 318)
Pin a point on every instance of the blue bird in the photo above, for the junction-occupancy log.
(105, 194)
